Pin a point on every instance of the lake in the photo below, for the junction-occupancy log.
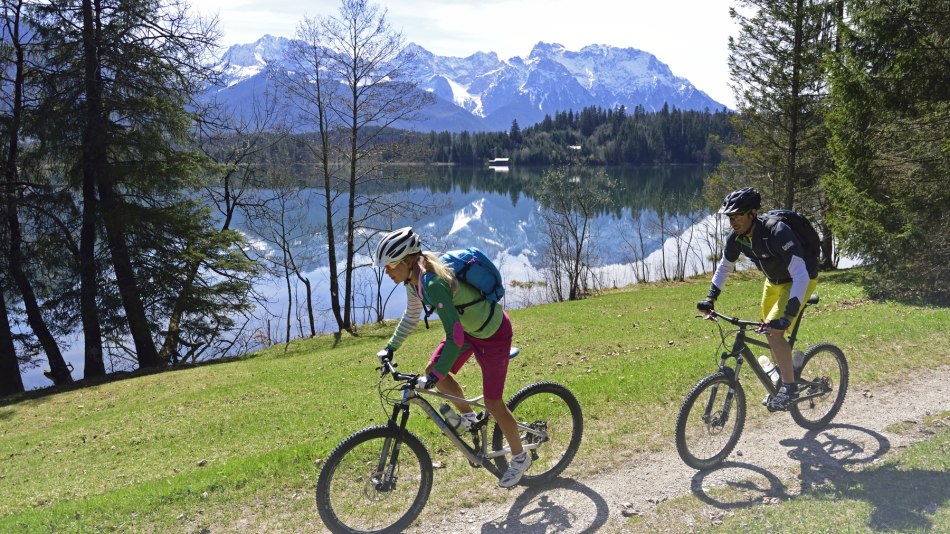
(498, 211)
(637, 236)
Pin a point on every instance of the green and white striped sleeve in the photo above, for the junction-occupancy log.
(408, 321)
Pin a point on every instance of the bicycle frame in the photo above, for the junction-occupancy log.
(477, 454)
(742, 353)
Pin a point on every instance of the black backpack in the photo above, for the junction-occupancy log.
(807, 235)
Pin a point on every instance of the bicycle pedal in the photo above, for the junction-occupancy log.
(766, 399)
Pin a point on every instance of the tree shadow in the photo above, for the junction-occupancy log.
(553, 508)
(901, 498)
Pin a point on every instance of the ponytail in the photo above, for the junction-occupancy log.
(433, 264)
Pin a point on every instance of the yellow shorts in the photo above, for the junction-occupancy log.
(775, 297)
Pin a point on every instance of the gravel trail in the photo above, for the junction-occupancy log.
(774, 460)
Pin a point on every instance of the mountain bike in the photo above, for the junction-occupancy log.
(712, 416)
(379, 478)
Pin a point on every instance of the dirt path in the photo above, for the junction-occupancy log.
(774, 460)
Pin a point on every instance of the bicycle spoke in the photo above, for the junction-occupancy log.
(822, 387)
(710, 421)
(550, 425)
(364, 491)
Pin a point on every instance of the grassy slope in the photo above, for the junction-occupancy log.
(194, 447)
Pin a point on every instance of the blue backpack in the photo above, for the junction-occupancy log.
(473, 267)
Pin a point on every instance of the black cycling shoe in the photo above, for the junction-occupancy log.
(783, 399)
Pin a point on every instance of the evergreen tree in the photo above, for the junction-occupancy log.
(776, 65)
(891, 130)
(16, 69)
(120, 73)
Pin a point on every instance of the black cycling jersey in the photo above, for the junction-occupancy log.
(771, 249)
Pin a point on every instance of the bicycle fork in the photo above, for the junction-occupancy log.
(718, 420)
(385, 477)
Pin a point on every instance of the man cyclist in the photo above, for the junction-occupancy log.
(481, 331)
(790, 275)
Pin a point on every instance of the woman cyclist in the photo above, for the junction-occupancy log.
(790, 275)
(480, 331)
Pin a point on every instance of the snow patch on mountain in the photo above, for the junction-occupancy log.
(482, 92)
(463, 99)
(466, 215)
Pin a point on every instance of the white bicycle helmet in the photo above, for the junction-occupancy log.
(395, 246)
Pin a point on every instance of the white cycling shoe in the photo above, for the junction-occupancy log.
(516, 468)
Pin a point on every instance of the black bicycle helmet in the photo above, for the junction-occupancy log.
(741, 200)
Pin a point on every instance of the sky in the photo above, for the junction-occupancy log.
(690, 36)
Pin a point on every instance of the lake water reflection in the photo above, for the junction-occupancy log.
(498, 212)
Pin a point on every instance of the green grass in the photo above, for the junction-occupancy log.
(224, 443)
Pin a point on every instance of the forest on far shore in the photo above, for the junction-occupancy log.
(596, 136)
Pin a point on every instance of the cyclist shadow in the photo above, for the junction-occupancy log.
(823, 455)
(901, 499)
(555, 507)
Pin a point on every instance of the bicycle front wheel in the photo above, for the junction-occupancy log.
(710, 421)
(550, 418)
(377, 480)
(822, 386)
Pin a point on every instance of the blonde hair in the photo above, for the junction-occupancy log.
(433, 264)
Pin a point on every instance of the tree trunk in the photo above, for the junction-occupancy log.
(169, 350)
(331, 254)
(10, 380)
(95, 163)
(306, 283)
(351, 215)
(57, 364)
(88, 287)
(793, 127)
(125, 277)
(827, 249)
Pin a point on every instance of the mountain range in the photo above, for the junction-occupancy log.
(483, 92)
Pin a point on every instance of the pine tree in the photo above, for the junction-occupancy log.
(119, 74)
(891, 96)
(777, 70)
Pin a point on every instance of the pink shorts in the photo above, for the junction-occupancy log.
(492, 355)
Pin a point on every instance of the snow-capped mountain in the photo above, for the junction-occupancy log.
(485, 92)
(244, 61)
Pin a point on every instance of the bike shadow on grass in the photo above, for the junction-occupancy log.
(823, 456)
(559, 506)
(901, 499)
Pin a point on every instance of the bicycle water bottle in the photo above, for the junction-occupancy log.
(770, 369)
(451, 418)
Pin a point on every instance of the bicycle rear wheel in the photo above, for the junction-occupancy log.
(822, 386)
(554, 415)
(374, 481)
(710, 421)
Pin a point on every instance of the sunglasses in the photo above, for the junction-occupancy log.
(393, 265)
(735, 216)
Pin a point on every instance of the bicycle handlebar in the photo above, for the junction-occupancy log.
(389, 367)
(713, 314)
